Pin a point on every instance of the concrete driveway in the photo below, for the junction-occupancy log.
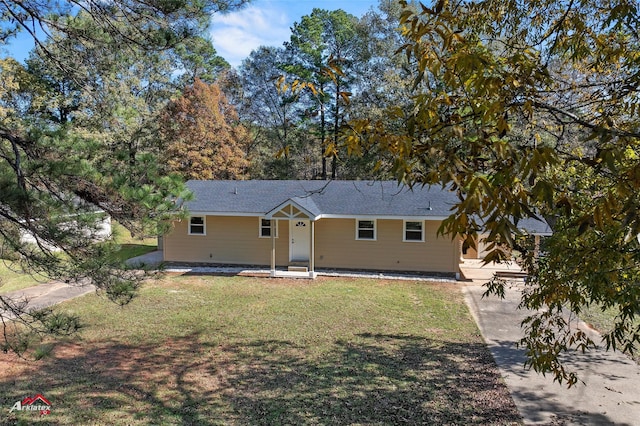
(49, 294)
(54, 292)
(610, 394)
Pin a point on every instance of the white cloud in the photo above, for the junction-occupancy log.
(236, 34)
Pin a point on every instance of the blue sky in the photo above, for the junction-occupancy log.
(18, 47)
(236, 34)
(268, 23)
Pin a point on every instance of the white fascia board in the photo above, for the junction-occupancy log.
(310, 216)
(542, 234)
(322, 216)
(247, 214)
(381, 217)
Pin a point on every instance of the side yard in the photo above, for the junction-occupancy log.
(11, 278)
(239, 350)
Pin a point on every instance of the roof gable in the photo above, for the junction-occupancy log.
(295, 208)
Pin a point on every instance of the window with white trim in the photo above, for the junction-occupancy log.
(413, 231)
(365, 229)
(197, 225)
(265, 228)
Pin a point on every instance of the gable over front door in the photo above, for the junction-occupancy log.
(300, 240)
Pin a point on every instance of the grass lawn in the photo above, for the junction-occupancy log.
(603, 321)
(11, 280)
(599, 319)
(196, 350)
(130, 246)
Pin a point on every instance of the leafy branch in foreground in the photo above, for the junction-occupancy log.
(531, 110)
(22, 326)
(78, 144)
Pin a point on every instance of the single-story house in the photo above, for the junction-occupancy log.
(304, 226)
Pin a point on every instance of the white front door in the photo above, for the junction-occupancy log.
(300, 238)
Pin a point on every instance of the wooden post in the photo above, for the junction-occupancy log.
(273, 247)
(311, 250)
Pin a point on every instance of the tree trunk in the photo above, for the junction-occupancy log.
(323, 132)
(336, 122)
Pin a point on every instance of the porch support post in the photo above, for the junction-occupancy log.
(312, 254)
(273, 248)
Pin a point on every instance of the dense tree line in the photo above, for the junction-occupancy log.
(351, 64)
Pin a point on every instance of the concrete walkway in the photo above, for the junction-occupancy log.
(610, 395)
(151, 260)
(154, 259)
(54, 292)
(49, 294)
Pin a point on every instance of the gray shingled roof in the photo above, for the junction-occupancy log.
(326, 198)
(337, 198)
(534, 226)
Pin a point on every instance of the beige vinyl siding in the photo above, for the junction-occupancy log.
(481, 249)
(232, 240)
(336, 247)
(472, 253)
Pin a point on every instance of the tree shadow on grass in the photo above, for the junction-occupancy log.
(579, 404)
(378, 379)
(370, 379)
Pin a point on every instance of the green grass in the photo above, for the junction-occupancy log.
(127, 251)
(131, 246)
(603, 321)
(11, 280)
(599, 319)
(196, 350)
